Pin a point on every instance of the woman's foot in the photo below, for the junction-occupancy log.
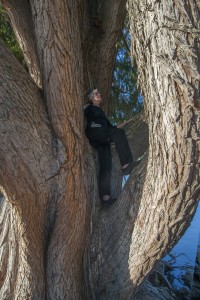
(106, 197)
(126, 169)
(108, 200)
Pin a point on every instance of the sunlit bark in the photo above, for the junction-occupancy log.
(27, 165)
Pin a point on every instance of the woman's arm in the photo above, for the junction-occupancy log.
(124, 123)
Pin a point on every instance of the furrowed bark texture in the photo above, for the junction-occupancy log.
(166, 42)
(33, 177)
(107, 258)
(21, 18)
(59, 47)
(27, 166)
(57, 32)
(47, 176)
(159, 199)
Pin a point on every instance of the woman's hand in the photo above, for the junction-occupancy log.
(124, 123)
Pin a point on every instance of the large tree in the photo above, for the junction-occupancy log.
(56, 241)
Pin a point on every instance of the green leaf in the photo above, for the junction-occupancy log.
(8, 36)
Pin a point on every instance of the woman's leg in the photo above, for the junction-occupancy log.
(105, 168)
(98, 136)
(102, 136)
(118, 136)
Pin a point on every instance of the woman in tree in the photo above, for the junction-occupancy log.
(101, 133)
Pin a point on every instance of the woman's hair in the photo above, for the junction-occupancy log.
(90, 95)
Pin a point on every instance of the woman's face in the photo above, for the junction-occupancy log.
(96, 99)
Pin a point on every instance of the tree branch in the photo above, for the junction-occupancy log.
(21, 19)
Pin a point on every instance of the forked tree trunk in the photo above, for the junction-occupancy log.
(56, 241)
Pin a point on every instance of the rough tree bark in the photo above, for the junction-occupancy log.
(158, 202)
(56, 241)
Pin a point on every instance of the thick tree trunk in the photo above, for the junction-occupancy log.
(169, 66)
(158, 202)
(35, 182)
(60, 58)
(47, 173)
(27, 166)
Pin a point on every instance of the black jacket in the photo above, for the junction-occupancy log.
(95, 114)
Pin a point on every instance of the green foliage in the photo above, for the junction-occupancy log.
(7, 34)
(125, 100)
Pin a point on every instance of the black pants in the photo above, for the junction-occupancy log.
(100, 138)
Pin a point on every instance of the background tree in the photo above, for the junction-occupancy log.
(7, 34)
(125, 100)
(55, 240)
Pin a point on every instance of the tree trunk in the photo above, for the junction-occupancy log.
(158, 201)
(166, 47)
(56, 241)
(27, 166)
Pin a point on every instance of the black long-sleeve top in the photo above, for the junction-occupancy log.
(95, 114)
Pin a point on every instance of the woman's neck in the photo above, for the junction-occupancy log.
(96, 104)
